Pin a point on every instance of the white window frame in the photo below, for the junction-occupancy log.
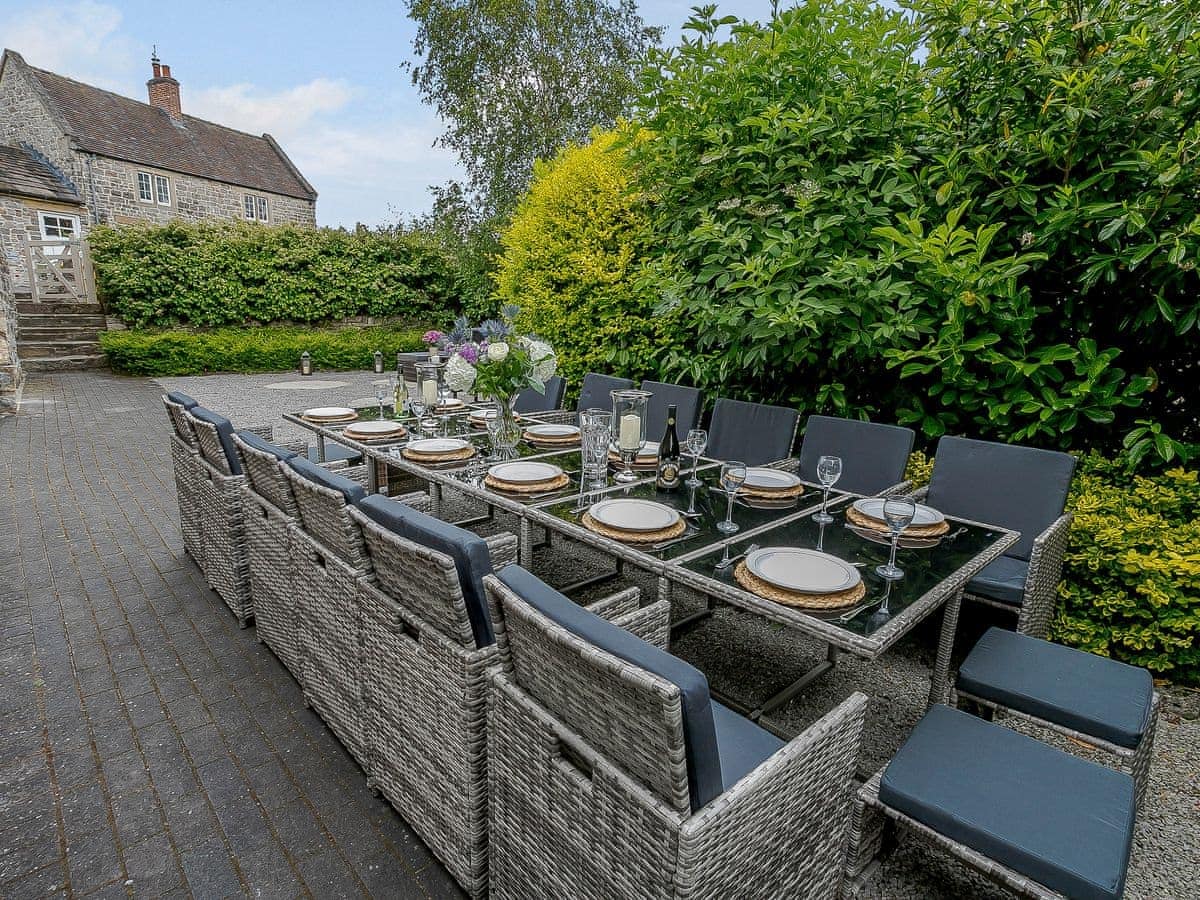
(248, 207)
(43, 215)
(162, 184)
(148, 184)
(264, 210)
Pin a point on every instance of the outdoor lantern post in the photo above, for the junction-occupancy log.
(378, 362)
(305, 363)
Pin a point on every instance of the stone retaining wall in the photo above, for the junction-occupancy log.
(10, 367)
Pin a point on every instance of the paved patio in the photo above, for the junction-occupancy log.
(149, 746)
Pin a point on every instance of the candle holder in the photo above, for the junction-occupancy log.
(378, 362)
(305, 363)
(428, 390)
(629, 428)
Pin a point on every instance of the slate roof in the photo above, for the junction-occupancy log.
(108, 124)
(26, 175)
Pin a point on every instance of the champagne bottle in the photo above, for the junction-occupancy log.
(668, 455)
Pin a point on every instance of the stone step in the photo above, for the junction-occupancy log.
(64, 363)
(30, 320)
(35, 333)
(55, 348)
(54, 307)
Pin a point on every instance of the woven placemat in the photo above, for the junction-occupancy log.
(532, 487)
(566, 441)
(857, 518)
(465, 453)
(375, 438)
(787, 494)
(756, 585)
(635, 537)
(340, 420)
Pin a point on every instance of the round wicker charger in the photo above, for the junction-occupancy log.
(756, 585)
(787, 494)
(857, 518)
(567, 441)
(375, 438)
(635, 537)
(530, 487)
(353, 417)
(465, 453)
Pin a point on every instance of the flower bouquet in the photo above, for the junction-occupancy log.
(499, 366)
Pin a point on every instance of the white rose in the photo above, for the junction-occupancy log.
(460, 374)
(545, 363)
(498, 352)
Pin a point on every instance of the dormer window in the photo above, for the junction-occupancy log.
(256, 208)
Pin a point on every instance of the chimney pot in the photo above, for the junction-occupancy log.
(166, 71)
(157, 70)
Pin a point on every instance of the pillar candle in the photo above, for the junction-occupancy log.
(429, 392)
(630, 437)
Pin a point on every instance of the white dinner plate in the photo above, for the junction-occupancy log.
(872, 507)
(802, 571)
(438, 445)
(375, 427)
(633, 515)
(552, 431)
(763, 479)
(524, 472)
(329, 412)
(649, 450)
(451, 403)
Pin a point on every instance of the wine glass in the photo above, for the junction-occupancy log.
(898, 513)
(416, 403)
(697, 441)
(829, 470)
(732, 476)
(383, 392)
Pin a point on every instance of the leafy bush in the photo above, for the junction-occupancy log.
(234, 273)
(273, 349)
(573, 263)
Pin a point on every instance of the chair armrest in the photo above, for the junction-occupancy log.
(1045, 571)
(297, 446)
(791, 464)
(556, 417)
(897, 490)
(266, 432)
(618, 604)
(651, 623)
(503, 549)
(417, 500)
(920, 493)
(791, 815)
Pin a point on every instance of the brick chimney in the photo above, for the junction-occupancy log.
(164, 90)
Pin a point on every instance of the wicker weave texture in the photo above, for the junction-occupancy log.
(225, 564)
(186, 463)
(272, 585)
(181, 422)
(326, 516)
(265, 474)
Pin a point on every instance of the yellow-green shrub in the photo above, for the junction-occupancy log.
(574, 262)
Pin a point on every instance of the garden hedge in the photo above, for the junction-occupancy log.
(267, 349)
(235, 273)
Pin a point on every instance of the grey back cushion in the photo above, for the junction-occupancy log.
(1021, 488)
(472, 560)
(182, 399)
(351, 491)
(596, 392)
(754, 433)
(689, 400)
(224, 433)
(530, 401)
(873, 456)
(699, 732)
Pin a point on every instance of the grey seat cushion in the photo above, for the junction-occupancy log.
(874, 456)
(472, 559)
(688, 400)
(322, 476)
(224, 433)
(596, 392)
(1092, 694)
(751, 432)
(713, 735)
(1020, 488)
(250, 439)
(1063, 821)
(182, 399)
(1003, 579)
(531, 401)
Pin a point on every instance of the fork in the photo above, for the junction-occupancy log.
(726, 561)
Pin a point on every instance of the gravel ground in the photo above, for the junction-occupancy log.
(748, 659)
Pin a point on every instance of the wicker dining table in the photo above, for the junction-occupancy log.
(934, 575)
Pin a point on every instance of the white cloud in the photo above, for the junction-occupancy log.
(281, 113)
(80, 40)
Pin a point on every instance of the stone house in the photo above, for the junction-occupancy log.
(73, 156)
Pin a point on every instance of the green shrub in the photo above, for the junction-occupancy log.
(268, 349)
(573, 262)
(234, 273)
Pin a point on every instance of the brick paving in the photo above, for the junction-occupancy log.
(148, 746)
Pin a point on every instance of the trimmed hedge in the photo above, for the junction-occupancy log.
(273, 349)
(236, 273)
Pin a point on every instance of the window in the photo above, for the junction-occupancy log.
(143, 184)
(249, 202)
(162, 190)
(262, 208)
(256, 207)
(56, 227)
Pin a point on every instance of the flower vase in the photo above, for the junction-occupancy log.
(503, 428)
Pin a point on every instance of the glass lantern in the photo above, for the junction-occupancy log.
(428, 395)
(629, 428)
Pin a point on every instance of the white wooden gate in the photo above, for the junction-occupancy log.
(59, 271)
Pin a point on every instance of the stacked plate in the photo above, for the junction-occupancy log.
(526, 477)
(552, 435)
(868, 514)
(808, 579)
(479, 418)
(438, 450)
(647, 457)
(378, 432)
(769, 488)
(634, 521)
(329, 415)
(450, 404)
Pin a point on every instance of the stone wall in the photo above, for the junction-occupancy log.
(18, 221)
(10, 366)
(24, 119)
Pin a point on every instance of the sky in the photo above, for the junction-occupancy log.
(325, 79)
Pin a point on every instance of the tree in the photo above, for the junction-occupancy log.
(515, 80)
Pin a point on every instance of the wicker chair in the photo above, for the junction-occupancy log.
(185, 459)
(613, 778)
(425, 669)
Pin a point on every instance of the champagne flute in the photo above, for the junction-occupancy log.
(829, 470)
(898, 513)
(697, 441)
(383, 392)
(733, 474)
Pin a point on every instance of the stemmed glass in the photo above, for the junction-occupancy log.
(829, 470)
(733, 474)
(697, 441)
(898, 513)
(383, 391)
(416, 403)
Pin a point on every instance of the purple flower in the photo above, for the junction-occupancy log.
(468, 352)
(432, 337)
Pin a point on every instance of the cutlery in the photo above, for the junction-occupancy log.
(727, 561)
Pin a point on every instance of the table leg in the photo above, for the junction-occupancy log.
(320, 448)
(664, 589)
(372, 476)
(940, 680)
